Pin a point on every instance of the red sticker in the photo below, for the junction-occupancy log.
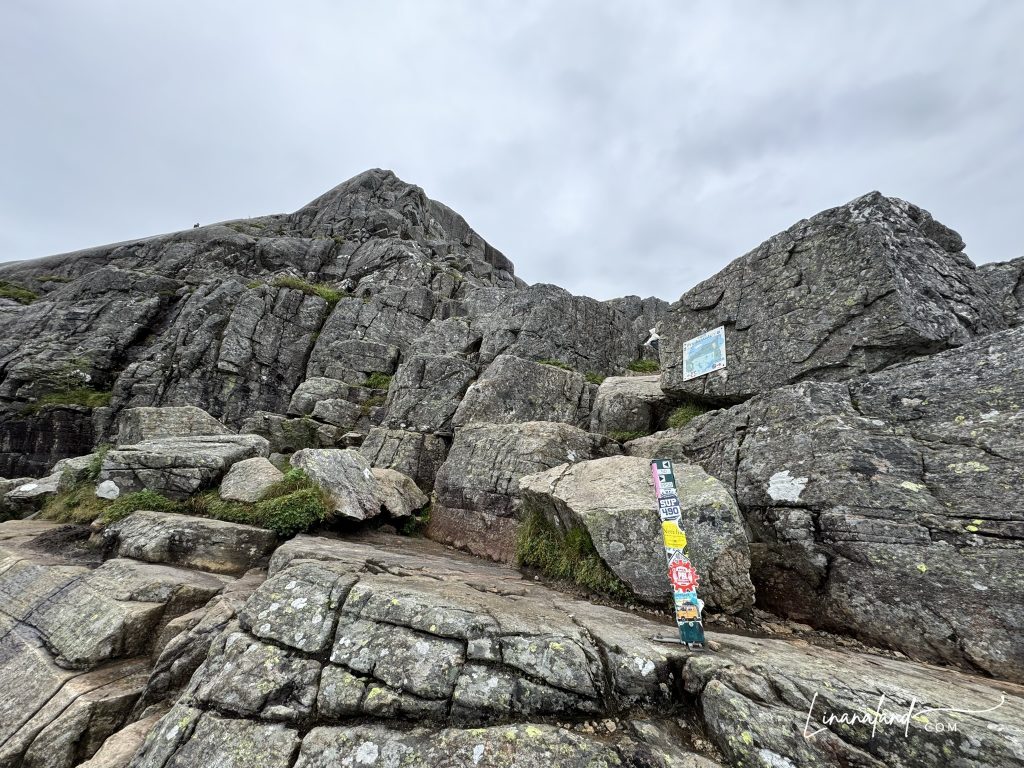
(683, 576)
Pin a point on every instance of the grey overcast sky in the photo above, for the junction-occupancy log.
(608, 147)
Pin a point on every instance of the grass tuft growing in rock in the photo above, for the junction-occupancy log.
(323, 290)
(17, 293)
(87, 396)
(569, 556)
(293, 505)
(416, 524)
(378, 380)
(77, 505)
(684, 414)
(594, 378)
(135, 502)
(644, 366)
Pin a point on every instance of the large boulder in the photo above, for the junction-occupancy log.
(178, 466)
(215, 546)
(136, 425)
(398, 493)
(425, 392)
(628, 405)
(514, 390)
(416, 454)
(477, 488)
(288, 435)
(249, 480)
(613, 499)
(545, 322)
(347, 478)
(851, 290)
(1006, 279)
(890, 507)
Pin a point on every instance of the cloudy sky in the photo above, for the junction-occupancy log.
(609, 147)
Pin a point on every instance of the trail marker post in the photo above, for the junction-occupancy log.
(681, 573)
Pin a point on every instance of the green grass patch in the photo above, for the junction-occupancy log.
(78, 505)
(644, 366)
(87, 396)
(594, 378)
(323, 290)
(293, 505)
(54, 279)
(415, 524)
(16, 292)
(569, 556)
(372, 402)
(377, 380)
(150, 501)
(684, 414)
(556, 364)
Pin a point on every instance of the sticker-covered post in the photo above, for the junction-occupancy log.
(681, 573)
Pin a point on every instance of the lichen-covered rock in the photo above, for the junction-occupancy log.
(359, 639)
(249, 480)
(477, 488)
(398, 493)
(347, 478)
(136, 425)
(544, 322)
(890, 506)
(851, 290)
(512, 390)
(25, 498)
(627, 405)
(416, 454)
(426, 391)
(288, 435)
(215, 546)
(613, 499)
(1006, 280)
(178, 466)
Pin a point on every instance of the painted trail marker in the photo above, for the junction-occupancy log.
(704, 354)
(681, 573)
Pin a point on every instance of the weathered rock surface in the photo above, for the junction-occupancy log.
(416, 454)
(73, 643)
(248, 480)
(288, 435)
(347, 478)
(1006, 280)
(628, 405)
(477, 488)
(425, 392)
(347, 642)
(136, 425)
(215, 546)
(545, 322)
(398, 493)
(512, 390)
(613, 499)
(851, 290)
(178, 466)
(897, 496)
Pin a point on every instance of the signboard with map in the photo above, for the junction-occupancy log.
(704, 354)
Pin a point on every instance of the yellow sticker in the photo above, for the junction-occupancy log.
(674, 538)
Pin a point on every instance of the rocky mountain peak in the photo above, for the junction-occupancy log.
(175, 410)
